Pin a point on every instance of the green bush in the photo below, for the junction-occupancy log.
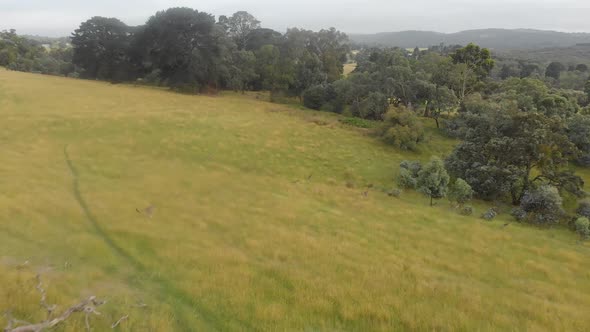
(314, 97)
(519, 214)
(401, 128)
(583, 227)
(542, 206)
(394, 193)
(408, 174)
(406, 180)
(460, 192)
(413, 166)
(490, 214)
(373, 107)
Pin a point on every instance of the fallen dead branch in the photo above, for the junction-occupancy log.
(87, 306)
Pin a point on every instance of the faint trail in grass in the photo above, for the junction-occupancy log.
(164, 285)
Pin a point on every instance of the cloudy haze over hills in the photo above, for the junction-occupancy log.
(60, 17)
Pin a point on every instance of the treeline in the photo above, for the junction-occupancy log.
(519, 135)
(25, 54)
(192, 51)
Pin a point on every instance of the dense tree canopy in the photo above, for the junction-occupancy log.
(101, 48)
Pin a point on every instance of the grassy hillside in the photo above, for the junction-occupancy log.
(260, 222)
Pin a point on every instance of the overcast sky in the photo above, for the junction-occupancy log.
(61, 17)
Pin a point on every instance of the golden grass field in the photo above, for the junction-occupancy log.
(260, 223)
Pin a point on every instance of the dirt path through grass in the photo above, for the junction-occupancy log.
(166, 290)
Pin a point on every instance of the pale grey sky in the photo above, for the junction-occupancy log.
(61, 17)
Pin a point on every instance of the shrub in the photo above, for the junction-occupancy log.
(542, 205)
(583, 227)
(519, 214)
(466, 210)
(406, 179)
(460, 192)
(408, 174)
(314, 97)
(334, 101)
(413, 166)
(394, 193)
(402, 129)
(584, 209)
(374, 106)
(490, 214)
(154, 77)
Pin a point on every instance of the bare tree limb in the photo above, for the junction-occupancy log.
(121, 320)
(50, 308)
(87, 322)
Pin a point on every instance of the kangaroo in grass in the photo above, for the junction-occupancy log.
(148, 211)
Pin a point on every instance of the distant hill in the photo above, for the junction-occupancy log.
(569, 55)
(491, 38)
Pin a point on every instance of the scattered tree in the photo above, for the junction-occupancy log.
(239, 27)
(433, 180)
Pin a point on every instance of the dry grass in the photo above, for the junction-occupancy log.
(241, 238)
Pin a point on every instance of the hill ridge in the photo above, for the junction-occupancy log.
(498, 38)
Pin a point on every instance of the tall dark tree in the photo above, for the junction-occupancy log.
(554, 70)
(333, 46)
(242, 70)
(528, 69)
(185, 46)
(476, 61)
(239, 26)
(582, 67)
(101, 47)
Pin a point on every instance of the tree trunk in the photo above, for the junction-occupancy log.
(437, 124)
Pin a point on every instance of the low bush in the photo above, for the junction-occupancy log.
(466, 210)
(518, 214)
(460, 192)
(314, 97)
(490, 214)
(406, 179)
(583, 227)
(402, 129)
(542, 206)
(408, 174)
(413, 166)
(395, 192)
